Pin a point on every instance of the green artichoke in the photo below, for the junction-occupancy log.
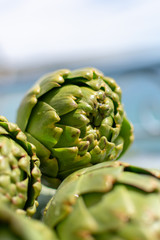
(16, 227)
(75, 119)
(111, 200)
(20, 176)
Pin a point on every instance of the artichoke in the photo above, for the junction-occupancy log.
(16, 227)
(20, 176)
(111, 200)
(75, 119)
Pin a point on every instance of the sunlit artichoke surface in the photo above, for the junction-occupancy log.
(111, 200)
(16, 227)
(20, 176)
(75, 119)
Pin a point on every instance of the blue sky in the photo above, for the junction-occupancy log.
(36, 30)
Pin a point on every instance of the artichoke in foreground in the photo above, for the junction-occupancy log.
(111, 200)
(16, 227)
(75, 119)
(20, 176)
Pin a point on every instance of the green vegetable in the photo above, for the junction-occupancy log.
(16, 227)
(20, 176)
(75, 119)
(111, 200)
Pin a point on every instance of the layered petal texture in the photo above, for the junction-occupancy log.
(111, 200)
(75, 119)
(20, 176)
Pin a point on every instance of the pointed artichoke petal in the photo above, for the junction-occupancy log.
(83, 147)
(85, 106)
(89, 96)
(65, 153)
(127, 134)
(75, 119)
(78, 163)
(113, 85)
(63, 91)
(102, 180)
(105, 128)
(97, 155)
(64, 96)
(86, 73)
(49, 165)
(37, 188)
(3, 131)
(68, 159)
(64, 105)
(102, 142)
(95, 84)
(51, 80)
(24, 164)
(42, 125)
(146, 183)
(69, 137)
(26, 107)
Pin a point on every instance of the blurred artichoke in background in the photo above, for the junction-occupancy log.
(16, 227)
(111, 200)
(75, 119)
(20, 176)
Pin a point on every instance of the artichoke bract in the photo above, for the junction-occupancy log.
(16, 227)
(111, 200)
(75, 119)
(20, 176)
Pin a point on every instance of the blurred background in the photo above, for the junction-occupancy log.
(120, 38)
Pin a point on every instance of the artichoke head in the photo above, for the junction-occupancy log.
(111, 200)
(20, 176)
(16, 227)
(75, 119)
